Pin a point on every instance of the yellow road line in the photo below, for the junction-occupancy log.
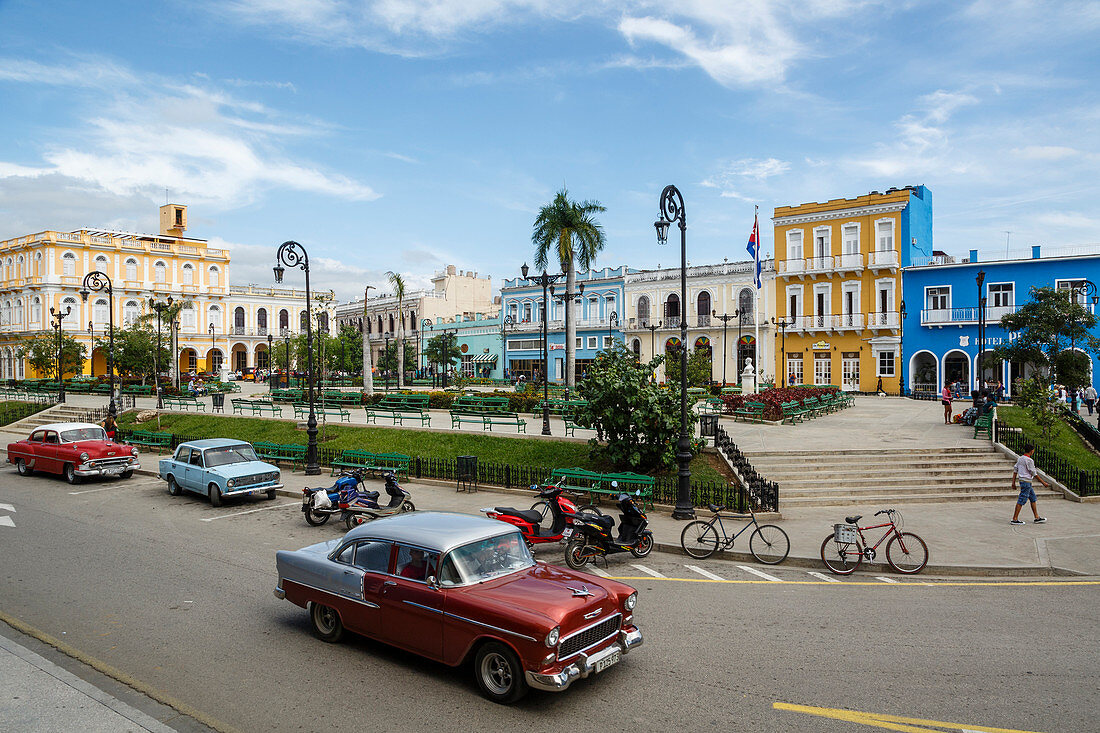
(874, 584)
(889, 722)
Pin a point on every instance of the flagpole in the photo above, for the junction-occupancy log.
(756, 282)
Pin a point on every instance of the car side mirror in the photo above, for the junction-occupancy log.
(433, 582)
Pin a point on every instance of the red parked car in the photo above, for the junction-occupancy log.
(458, 588)
(77, 450)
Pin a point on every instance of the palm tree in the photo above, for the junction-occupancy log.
(368, 374)
(571, 230)
(398, 284)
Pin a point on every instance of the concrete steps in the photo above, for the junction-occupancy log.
(59, 413)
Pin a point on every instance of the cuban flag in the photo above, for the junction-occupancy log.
(754, 247)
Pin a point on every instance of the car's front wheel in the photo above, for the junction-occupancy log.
(70, 474)
(327, 625)
(215, 495)
(22, 467)
(499, 673)
(271, 493)
(126, 474)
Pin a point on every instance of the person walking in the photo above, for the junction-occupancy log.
(945, 400)
(1090, 397)
(1025, 471)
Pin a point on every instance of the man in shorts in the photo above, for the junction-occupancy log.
(1026, 472)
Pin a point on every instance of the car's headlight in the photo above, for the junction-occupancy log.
(133, 451)
(229, 483)
(83, 457)
(631, 601)
(552, 638)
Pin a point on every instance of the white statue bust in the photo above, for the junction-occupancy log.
(748, 366)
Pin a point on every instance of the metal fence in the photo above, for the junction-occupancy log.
(16, 412)
(1082, 482)
(762, 494)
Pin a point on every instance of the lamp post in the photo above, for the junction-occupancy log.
(725, 318)
(58, 316)
(159, 307)
(901, 353)
(508, 322)
(652, 327)
(980, 279)
(430, 324)
(210, 363)
(287, 339)
(783, 324)
(671, 209)
(544, 280)
(292, 254)
(387, 354)
(1087, 289)
(270, 362)
(612, 324)
(96, 281)
(91, 346)
(174, 337)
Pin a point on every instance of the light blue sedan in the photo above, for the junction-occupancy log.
(219, 467)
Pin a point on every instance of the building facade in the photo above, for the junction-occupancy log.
(654, 312)
(219, 326)
(598, 308)
(479, 340)
(941, 325)
(838, 286)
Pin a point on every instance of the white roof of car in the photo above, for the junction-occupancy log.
(59, 426)
(439, 531)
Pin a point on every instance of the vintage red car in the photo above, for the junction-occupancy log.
(456, 587)
(77, 450)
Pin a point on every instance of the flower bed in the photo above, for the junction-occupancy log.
(774, 398)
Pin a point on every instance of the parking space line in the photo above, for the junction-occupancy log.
(884, 579)
(822, 576)
(596, 571)
(92, 491)
(250, 511)
(6, 522)
(759, 573)
(648, 571)
(704, 573)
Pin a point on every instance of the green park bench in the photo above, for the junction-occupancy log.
(490, 419)
(712, 406)
(149, 439)
(341, 398)
(581, 481)
(301, 411)
(397, 463)
(751, 411)
(731, 390)
(138, 389)
(475, 403)
(984, 426)
(813, 406)
(287, 395)
(471, 416)
(277, 452)
(792, 411)
(101, 389)
(570, 420)
(183, 403)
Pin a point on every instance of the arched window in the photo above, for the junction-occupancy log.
(99, 311)
(101, 264)
(322, 322)
(188, 317)
(68, 264)
(745, 305)
(159, 271)
(214, 275)
(380, 329)
(131, 269)
(238, 317)
(412, 319)
(130, 313)
(188, 274)
(216, 317)
(672, 310)
(36, 311)
(643, 311)
(9, 269)
(302, 321)
(636, 347)
(261, 320)
(73, 321)
(19, 312)
(391, 323)
(702, 308)
(19, 272)
(284, 321)
(5, 315)
(38, 265)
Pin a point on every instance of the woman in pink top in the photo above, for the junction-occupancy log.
(945, 400)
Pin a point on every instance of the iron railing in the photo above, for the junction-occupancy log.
(1082, 482)
(763, 495)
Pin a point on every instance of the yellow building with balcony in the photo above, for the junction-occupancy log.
(46, 270)
(838, 286)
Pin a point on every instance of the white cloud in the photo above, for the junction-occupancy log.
(1047, 152)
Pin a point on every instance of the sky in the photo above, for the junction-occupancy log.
(406, 135)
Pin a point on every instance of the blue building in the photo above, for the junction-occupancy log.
(478, 339)
(940, 325)
(599, 313)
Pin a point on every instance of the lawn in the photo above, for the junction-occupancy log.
(1064, 441)
(425, 444)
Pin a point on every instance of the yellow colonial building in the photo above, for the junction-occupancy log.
(219, 321)
(838, 286)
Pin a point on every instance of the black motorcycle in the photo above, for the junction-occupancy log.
(592, 535)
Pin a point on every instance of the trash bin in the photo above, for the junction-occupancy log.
(219, 401)
(708, 426)
(466, 473)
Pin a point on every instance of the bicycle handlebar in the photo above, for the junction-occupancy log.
(885, 511)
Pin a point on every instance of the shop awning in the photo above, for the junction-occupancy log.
(484, 358)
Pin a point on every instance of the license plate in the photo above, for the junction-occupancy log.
(567, 533)
(608, 661)
(112, 471)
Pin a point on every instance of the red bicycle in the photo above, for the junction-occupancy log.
(846, 548)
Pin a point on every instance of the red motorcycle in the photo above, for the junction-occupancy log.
(529, 521)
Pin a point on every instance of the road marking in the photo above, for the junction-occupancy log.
(7, 508)
(92, 491)
(704, 573)
(648, 571)
(823, 576)
(884, 579)
(6, 522)
(760, 573)
(250, 511)
(890, 722)
(875, 584)
(596, 571)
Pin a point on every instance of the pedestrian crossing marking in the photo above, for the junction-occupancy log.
(890, 722)
(7, 508)
(760, 573)
(649, 571)
(884, 579)
(822, 576)
(6, 522)
(596, 571)
(704, 573)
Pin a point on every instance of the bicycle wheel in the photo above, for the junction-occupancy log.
(907, 553)
(769, 544)
(699, 539)
(841, 557)
(542, 507)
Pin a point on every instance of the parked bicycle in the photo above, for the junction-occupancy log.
(768, 543)
(846, 548)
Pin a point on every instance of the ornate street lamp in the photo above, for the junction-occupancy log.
(901, 353)
(544, 280)
(96, 281)
(159, 308)
(211, 364)
(1087, 289)
(508, 322)
(725, 318)
(671, 209)
(652, 339)
(430, 324)
(91, 345)
(57, 317)
(783, 324)
(292, 254)
(270, 362)
(612, 324)
(386, 336)
(287, 339)
(980, 279)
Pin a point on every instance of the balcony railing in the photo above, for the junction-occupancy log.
(887, 258)
(852, 261)
(703, 320)
(819, 264)
(884, 319)
(790, 266)
(672, 321)
(936, 316)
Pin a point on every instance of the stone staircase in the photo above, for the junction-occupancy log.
(58, 413)
(886, 477)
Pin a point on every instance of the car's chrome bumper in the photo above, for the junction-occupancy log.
(584, 665)
(279, 592)
(252, 490)
(107, 471)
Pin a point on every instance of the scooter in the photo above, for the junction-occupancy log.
(592, 536)
(321, 503)
(366, 507)
(562, 510)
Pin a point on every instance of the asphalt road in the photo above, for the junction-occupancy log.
(178, 596)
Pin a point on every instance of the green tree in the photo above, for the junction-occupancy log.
(442, 350)
(134, 350)
(569, 233)
(699, 368)
(1046, 327)
(398, 284)
(391, 359)
(349, 344)
(1035, 397)
(636, 421)
(40, 351)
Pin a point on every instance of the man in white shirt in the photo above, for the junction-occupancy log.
(1090, 397)
(1025, 471)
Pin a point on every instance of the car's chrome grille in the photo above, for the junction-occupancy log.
(256, 478)
(591, 636)
(110, 462)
